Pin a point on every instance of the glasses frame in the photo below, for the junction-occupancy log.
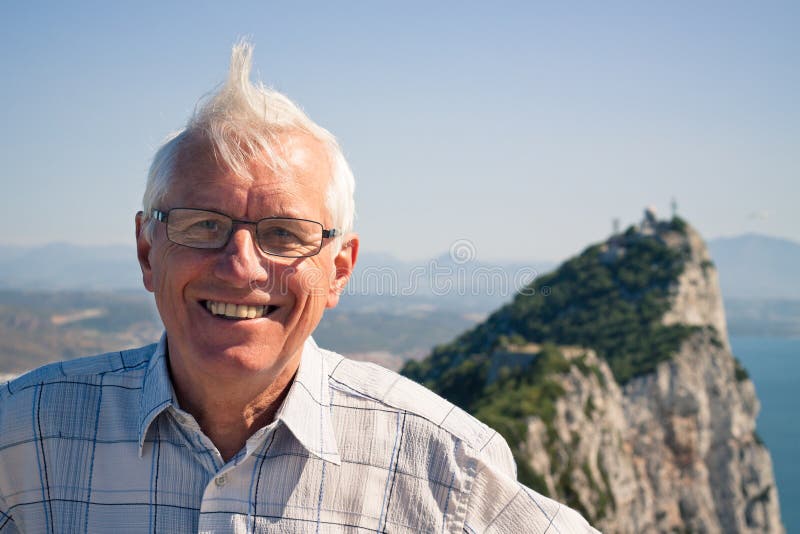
(327, 233)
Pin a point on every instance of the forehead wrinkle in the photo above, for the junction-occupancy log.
(277, 201)
(205, 192)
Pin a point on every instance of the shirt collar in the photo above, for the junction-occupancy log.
(305, 411)
(307, 408)
(157, 393)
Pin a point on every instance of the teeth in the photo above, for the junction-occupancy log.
(237, 311)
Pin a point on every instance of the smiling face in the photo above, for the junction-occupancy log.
(280, 300)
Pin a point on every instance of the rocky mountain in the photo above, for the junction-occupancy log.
(613, 381)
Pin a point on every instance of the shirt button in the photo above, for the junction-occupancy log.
(220, 481)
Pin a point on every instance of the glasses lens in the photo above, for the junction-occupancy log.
(198, 228)
(291, 238)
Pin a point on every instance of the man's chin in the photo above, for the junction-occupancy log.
(227, 347)
(241, 360)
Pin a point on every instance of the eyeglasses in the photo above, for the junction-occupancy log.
(278, 236)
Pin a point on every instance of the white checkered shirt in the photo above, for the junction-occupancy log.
(100, 445)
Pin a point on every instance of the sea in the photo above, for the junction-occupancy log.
(774, 368)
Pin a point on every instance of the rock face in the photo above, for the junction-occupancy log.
(698, 300)
(613, 382)
(674, 450)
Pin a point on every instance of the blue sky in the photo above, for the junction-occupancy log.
(523, 127)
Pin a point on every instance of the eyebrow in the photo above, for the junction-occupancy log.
(284, 213)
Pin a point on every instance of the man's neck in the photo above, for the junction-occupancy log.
(229, 426)
(230, 411)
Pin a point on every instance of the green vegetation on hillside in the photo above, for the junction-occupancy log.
(611, 298)
(506, 403)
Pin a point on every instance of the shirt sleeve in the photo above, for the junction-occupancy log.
(498, 503)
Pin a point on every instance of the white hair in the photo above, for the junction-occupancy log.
(242, 122)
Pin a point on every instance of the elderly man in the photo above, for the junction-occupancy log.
(236, 421)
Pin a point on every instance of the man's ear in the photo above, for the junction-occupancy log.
(343, 262)
(143, 252)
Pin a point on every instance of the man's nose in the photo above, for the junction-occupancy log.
(241, 261)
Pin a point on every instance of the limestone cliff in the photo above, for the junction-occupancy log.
(675, 450)
(645, 423)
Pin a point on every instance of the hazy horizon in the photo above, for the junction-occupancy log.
(131, 246)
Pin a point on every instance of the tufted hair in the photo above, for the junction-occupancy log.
(242, 122)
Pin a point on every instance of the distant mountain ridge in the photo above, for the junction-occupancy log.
(750, 266)
(757, 266)
(64, 266)
(460, 284)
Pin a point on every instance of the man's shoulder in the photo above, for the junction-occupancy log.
(370, 384)
(67, 398)
(118, 366)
